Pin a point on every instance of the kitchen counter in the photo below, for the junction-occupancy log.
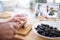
(31, 20)
(31, 35)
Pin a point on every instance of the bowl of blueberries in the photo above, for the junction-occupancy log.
(47, 29)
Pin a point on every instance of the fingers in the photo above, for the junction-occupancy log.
(22, 18)
(16, 19)
(15, 25)
(20, 15)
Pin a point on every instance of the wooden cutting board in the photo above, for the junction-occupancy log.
(25, 31)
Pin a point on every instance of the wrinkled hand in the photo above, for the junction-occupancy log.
(16, 21)
(7, 31)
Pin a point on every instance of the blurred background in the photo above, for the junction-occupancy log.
(23, 6)
(11, 4)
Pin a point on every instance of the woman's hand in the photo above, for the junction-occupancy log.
(7, 31)
(17, 21)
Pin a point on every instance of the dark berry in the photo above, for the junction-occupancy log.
(40, 31)
(38, 26)
(44, 33)
(47, 30)
(55, 28)
(45, 25)
(47, 34)
(51, 27)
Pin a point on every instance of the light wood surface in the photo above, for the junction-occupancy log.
(31, 35)
(24, 31)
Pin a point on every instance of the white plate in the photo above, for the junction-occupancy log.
(51, 23)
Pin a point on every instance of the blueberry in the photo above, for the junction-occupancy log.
(45, 25)
(50, 35)
(38, 26)
(47, 30)
(44, 34)
(47, 33)
(53, 32)
(55, 28)
(41, 28)
(57, 33)
(51, 27)
(53, 36)
(40, 31)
